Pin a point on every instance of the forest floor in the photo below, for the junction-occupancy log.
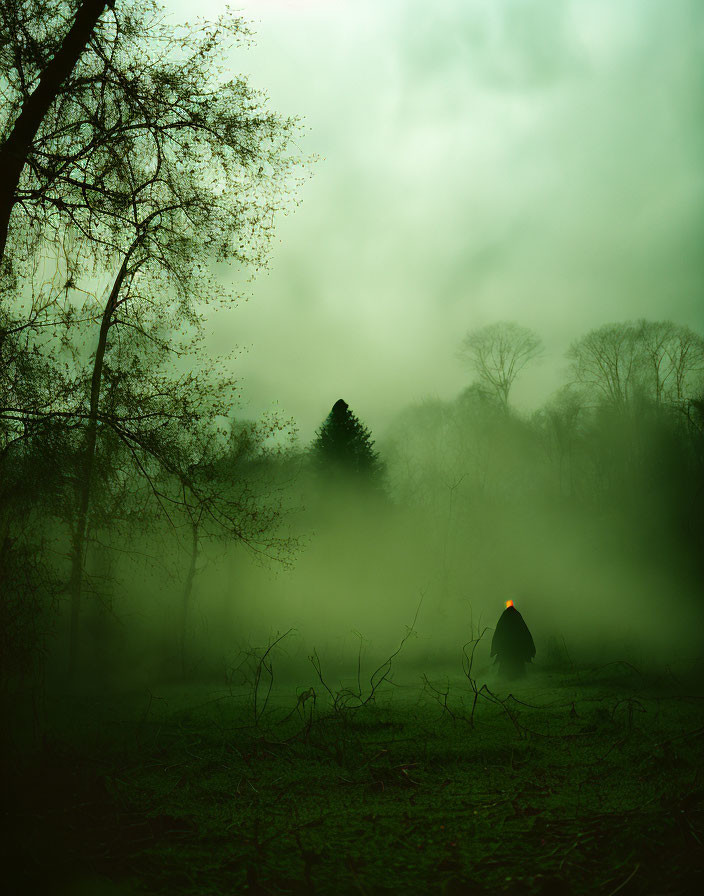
(580, 781)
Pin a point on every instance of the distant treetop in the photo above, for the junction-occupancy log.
(344, 445)
(497, 353)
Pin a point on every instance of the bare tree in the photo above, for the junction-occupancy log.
(222, 497)
(656, 360)
(608, 362)
(655, 340)
(497, 353)
(684, 351)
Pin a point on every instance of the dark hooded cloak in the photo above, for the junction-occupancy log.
(512, 643)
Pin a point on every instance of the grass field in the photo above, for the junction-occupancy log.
(579, 781)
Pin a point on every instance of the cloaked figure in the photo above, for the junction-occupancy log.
(512, 643)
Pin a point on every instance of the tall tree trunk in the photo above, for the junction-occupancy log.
(187, 592)
(86, 463)
(15, 149)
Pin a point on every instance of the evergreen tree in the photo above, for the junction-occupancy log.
(344, 445)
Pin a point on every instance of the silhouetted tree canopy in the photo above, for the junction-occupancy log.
(107, 102)
(130, 154)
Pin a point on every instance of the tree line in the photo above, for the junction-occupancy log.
(624, 378)
(618, 448)
(615, 364)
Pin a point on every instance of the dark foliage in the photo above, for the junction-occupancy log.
(344, 446)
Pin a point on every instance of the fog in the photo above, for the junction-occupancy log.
(459, 166)
(351, 446)
(528, 161)
(596, 539)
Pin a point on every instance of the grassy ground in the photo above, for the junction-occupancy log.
(581, 782)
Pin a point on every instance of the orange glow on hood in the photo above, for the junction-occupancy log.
(509, 603)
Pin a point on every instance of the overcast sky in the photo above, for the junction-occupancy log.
(531, 160)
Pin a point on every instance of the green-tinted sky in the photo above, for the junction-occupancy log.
(535, 160)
